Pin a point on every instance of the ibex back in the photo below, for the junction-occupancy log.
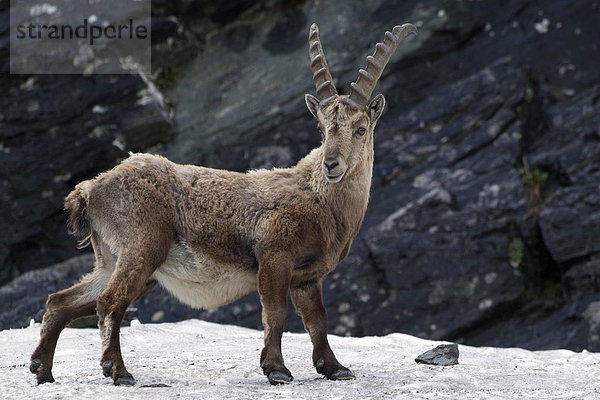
(211, 236)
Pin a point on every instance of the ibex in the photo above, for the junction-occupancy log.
(211, 236)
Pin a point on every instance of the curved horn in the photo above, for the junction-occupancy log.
(318, 65)
(362, 89)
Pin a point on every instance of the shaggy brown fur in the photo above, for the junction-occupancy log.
(211, 236)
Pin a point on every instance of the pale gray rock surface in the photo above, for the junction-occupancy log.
(483, 222)
(201, 360)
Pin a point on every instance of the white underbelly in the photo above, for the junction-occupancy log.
(201, 281)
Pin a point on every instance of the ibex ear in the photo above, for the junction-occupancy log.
(312, 103)
(375, 108)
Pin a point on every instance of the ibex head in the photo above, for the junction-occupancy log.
(346, 123)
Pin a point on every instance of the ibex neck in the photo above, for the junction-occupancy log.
(350, 196)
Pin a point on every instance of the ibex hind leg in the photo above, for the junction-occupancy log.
(130, 280)
(62, 308)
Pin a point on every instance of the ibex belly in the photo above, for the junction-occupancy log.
(202, 281)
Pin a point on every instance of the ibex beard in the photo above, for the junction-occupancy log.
(212, 236)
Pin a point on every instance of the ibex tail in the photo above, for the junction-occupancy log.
(76, 205)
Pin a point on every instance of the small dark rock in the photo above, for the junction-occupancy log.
(444, 354)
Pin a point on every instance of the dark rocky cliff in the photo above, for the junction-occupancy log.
(484, 220)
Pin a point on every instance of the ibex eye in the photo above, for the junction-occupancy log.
(361, 131)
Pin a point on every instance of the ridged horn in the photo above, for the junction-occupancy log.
(361, 90)
(318, 65)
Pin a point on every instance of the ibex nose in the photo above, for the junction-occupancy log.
(330, 164)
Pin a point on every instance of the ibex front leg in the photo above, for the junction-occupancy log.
(308, 301)
(129, 281)
(274, 276)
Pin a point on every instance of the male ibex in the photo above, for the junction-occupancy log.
(211, 236)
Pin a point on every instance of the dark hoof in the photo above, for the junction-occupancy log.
(45, 379)
(342, 374)
(35, 365)
(107, 368)
(279, 377)
(125, 381)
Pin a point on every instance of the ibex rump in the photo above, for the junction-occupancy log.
(211, 236)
